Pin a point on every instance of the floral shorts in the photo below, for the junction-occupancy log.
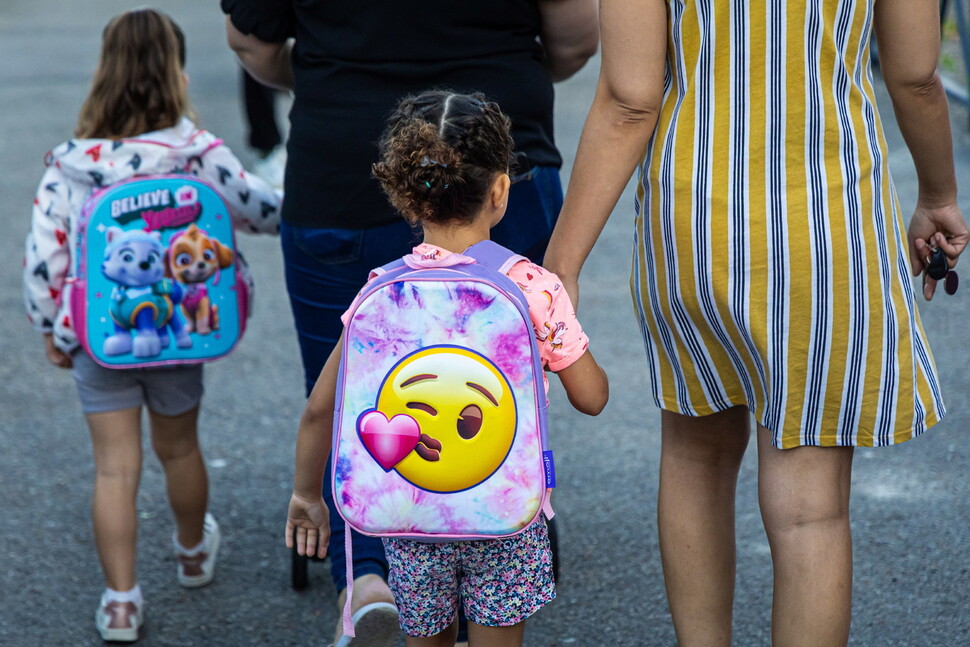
(501, 581)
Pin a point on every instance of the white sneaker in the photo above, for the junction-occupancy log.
(272, 167)
(118, 621)
(198, 569)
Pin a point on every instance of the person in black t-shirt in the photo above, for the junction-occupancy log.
(348, 65)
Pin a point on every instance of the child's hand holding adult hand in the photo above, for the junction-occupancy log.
(55, 355)
(308, 526)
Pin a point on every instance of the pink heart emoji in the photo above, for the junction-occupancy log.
(388, 441)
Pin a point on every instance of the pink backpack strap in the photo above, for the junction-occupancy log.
(547, 508)
(348, 620)
(216, 143)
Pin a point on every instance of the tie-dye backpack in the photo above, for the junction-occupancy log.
(440, 428)
(440, 420)
(158, 280)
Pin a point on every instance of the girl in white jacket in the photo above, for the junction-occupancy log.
(135, 121)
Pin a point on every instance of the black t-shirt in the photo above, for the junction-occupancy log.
(351, 65)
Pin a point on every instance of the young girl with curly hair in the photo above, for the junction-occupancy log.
(444, 165)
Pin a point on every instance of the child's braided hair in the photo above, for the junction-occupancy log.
(440, 153)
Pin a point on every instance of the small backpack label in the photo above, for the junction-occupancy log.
(156, 276)
(550, 466)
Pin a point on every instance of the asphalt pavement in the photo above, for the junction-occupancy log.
(910, 504)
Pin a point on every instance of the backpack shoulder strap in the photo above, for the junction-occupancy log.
(494, 256)
(397, 263)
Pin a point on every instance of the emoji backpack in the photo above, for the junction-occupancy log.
(440, 420)
(157, 279)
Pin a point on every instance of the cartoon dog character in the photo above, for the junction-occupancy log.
(193, 257)
(144, 301)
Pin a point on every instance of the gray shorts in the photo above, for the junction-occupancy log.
(168, 390)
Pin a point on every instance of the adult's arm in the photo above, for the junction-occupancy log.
(267, 62)
(908, 32)
(570, 35)
(619, 125)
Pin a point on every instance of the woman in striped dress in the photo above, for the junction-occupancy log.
(771, 272)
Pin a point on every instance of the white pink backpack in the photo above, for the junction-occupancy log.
(158, 279)
(440, 427)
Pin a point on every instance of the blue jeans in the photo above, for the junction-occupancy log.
(325, 269)
(535, 201)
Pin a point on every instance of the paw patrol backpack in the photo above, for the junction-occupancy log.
(440, 418)
(158, 280)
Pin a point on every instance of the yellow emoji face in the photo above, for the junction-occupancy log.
(465, 410)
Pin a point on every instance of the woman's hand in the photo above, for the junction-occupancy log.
(55, 355)
(937, 227)
(308, 526)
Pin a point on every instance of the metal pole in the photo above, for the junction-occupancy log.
(956, 91)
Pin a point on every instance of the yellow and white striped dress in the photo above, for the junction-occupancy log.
(770, 265)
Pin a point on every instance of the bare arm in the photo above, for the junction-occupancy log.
(307, 523)
(617, 130)
(586, 385)
(268, 63)
(316, 427)
(909, 46)
(570, 35)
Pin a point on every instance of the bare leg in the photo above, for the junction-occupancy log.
(445, 639)
(479, 636)
(116, 440)
(176, 444)
(699, 463)
(804, 494)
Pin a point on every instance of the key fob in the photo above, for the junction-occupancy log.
(937, 267)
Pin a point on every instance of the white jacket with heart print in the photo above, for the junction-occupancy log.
(78, 166)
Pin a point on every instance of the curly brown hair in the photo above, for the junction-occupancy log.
(440, 153)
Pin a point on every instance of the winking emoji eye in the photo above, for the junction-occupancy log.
(470, 422)
(466, 412)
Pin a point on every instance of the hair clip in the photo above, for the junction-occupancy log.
(426, 161)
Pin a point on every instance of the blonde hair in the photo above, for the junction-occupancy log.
(138, 86)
